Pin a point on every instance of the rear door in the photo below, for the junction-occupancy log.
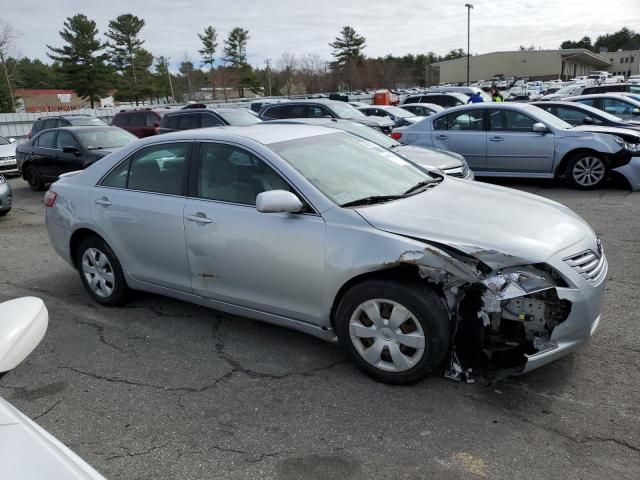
(512, 146)
(463, 132)
(43, 154)
(139, 206)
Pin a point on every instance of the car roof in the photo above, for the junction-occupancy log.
(187, 111)
(422, 104)
(265, 133)
(323, 101)
(82, 128)
(160, 111)
(71, 115)
(603, 95)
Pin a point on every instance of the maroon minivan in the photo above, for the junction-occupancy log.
(141, 122)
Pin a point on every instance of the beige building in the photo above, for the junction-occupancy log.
(535, 64)
(623, 62)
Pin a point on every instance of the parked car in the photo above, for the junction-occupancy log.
(397, 115)
(53, 152)
(323, 109)
(422, 109)
(576, 114)
(450, 163)
(206, 117)
(75, 120)
(561, 93)
(445, 100)
(140, 122)
(468, 91)
(521, 140)
(623, 106)
(6, 196)
(329, 234)
(28, 451)
(256, 105)
(8, 155)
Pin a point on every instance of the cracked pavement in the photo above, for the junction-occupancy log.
(162, 389)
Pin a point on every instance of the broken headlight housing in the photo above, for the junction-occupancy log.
(517, 281)
(629, 147)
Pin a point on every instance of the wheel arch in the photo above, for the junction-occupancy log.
(76, 239)
(562, 166)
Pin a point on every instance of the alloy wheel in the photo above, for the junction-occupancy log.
(387, 335)
(98, 272)
(588, 171)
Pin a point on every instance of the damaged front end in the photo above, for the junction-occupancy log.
(500, 317)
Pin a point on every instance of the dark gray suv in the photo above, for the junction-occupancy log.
(204, 118)
(321, 108)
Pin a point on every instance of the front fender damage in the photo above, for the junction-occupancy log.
(498, 315)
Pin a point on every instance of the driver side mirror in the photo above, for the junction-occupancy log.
(69, 149)
(275, 201)
(24, 323)
(539, 128)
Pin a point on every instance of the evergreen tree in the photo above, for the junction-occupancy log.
(209, 41)
(82, 59)
(348, 47)
(235, 48)
(125, 48)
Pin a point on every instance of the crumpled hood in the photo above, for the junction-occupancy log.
(373, 121)
(8, 150)
(610, 130)
(497, 225)
(426, 156)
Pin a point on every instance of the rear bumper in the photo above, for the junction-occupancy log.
(59, 237)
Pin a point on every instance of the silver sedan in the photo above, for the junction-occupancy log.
(6, 196)
(332, 235)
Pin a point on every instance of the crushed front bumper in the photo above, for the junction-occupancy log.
(631, 172)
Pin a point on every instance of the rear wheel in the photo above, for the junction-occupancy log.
(35, 179)
(586, 171)
(100, 272)
(394, 332)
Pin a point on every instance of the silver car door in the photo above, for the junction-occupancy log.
(462, 132)
(271, 262)
(512, 146)
(139, 206)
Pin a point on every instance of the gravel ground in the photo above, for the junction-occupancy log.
(162, 389)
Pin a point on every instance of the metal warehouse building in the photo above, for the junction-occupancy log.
(535, 64)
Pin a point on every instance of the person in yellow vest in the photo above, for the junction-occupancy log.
(495, 95)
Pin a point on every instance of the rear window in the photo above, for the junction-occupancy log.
(121, 119)
(86, 121)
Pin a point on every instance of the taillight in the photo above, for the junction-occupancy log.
(396, 135)
(50, 198)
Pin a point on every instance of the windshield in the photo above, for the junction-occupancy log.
(238, 117)
(344, 110)
(550, 119)
(365, 132)
(4, 141)
(399, 112)
(567, 89)
(86, 121)
(347, 168)
(104, 138)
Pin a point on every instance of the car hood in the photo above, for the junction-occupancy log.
(374, 121)
(426, 156)
(629, 132)
(497, 225)
(8, 150)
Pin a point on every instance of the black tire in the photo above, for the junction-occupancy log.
(34, 179)
(4, 212)
(427, 309)
(586, 171)
(119, 289)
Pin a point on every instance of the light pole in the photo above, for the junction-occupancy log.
(173, 98)
(268, 62)
(469, 7)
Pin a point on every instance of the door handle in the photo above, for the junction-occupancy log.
(496, 139)
(199, 218)
(442, 137)
(103, 201)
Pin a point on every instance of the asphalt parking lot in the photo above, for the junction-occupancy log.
(162, 389)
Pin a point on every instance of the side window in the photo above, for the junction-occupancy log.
(314, 111)
(152, 119)
(37, 126)
(588, 101)
(172, 122)
(65, 139)
(121, 119)
(209, 120)
(46, 140)
(616, 107)
(118, 176)
(231, 174)
(159, 169)
(49, 123)
(465, 120)
(138, 119)
(188, 121)
(510, 121)
(274, 112)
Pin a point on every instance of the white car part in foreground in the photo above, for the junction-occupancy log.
(27, 451)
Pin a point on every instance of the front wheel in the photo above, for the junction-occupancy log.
(35, 180)
(394, 332)
(100, 272)
(586, 171)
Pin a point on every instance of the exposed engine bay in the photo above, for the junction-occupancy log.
(500, 318)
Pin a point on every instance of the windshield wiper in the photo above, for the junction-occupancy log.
(371, 200)
(420, 186)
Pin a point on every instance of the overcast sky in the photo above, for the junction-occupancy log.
(298, 26)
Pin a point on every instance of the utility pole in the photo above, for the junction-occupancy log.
(173, 98)
(268, 62)
(469, 7)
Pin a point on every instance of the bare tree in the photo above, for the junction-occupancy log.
(7, 42)
(312, 67)
(288, 64)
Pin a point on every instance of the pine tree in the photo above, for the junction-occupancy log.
(348, 47)
(235, 48)
(209, 41)
(81, 60)
(125, 48)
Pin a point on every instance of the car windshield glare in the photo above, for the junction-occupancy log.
(366, 132)
(550, 119)
(400, 112)
(344, 110)
(4, 141)
(104, 138)
(238, 117)
(347, 168)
